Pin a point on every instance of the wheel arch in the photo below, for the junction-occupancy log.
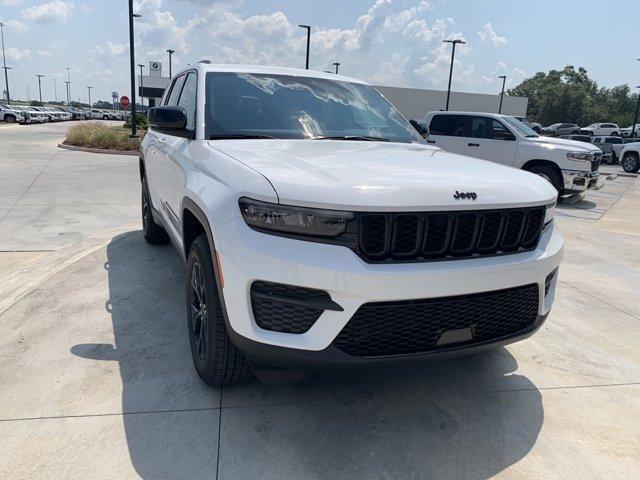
(194, 223)
(539, 162)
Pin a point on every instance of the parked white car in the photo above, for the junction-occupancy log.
(610, 146)
(319, 229)
(626, 132)
(9, 114)
(630, 157)
(601, 129)
(570, 166)
(30, 115)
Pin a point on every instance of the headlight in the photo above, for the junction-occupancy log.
(580, 156)
(548, 216)
(294, 220)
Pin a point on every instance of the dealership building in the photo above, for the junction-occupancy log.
(412, 102)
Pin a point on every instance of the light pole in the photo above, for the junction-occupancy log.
(635, 117)
(28, 92)
(89, 90)
(141, 84)
(132, 69)
(68, 82)
(337, 64)
(504, 79)
(308, 42)
(170, 52)
(453, 55)
(4, 64)
(40, 77)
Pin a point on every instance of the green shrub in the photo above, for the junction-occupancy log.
(100, 135)
(141, 121)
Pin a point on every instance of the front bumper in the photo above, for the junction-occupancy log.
(576, 181)
(246, 256)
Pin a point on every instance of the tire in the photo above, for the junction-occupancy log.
(153, 233)
(631, 163)
(10, 119)
(611, 159)
(536, 129)
(216, 359)
(575, 132)
(615, 134)
(104, 117)
(550, 175)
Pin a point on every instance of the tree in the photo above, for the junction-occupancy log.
(569, 95)
(35, 103)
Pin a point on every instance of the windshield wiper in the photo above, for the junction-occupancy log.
(362, 138)
(234, 136)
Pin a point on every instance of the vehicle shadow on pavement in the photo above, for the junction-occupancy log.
(469, 417)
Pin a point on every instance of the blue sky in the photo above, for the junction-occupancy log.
(389, 42)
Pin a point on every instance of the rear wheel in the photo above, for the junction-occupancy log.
(215, 357)
(631, 163)
(550, 175)
(10, 119)
(152, 232)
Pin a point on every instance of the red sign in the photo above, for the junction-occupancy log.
(124, 101)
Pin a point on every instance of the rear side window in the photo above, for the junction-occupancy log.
(448, 125)
(188, 99)
(616, 140)
(172, 99)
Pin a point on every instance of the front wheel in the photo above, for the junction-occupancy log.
(550, 175)
(216, 359)
(631, 163)
(10, 119)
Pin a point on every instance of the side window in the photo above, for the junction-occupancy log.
(188, 99)
(448, 125)
(481, 127)
(172, 98)
(616, 140)
(596, 140)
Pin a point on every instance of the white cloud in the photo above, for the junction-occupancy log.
(44, 53)
(54, 11)
(17, 26)
(487, 33)
(16, 55)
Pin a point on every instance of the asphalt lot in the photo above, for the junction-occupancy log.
(96, 379)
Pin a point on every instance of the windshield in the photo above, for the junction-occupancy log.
(281, 106)
(520, 127)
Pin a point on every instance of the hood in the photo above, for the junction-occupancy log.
(564, 144)
(379, 176)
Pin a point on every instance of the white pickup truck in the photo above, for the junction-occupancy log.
(570, 166)
(319, 229)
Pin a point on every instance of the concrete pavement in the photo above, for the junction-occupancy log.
(96, 378)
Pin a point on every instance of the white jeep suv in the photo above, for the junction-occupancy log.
(569, 165)
(601, 129)
(319, 229)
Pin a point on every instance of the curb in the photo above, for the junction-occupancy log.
(98, 150)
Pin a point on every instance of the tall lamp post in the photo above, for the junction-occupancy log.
(453, 55)
(89, 90)
(40, 77)
(132, 70)
(4, 64)
(55, 89)
(141, 84)
(68, 82)
(337, 64)
(504, 79)
(635, 117)
(170, 52)
(308, 43)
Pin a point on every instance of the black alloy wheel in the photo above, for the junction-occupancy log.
(199, 317)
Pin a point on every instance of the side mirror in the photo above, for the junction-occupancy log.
(499, 134)
(171, 120)
(420, 127)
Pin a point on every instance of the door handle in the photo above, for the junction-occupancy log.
(473, 144)
(431, 141)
